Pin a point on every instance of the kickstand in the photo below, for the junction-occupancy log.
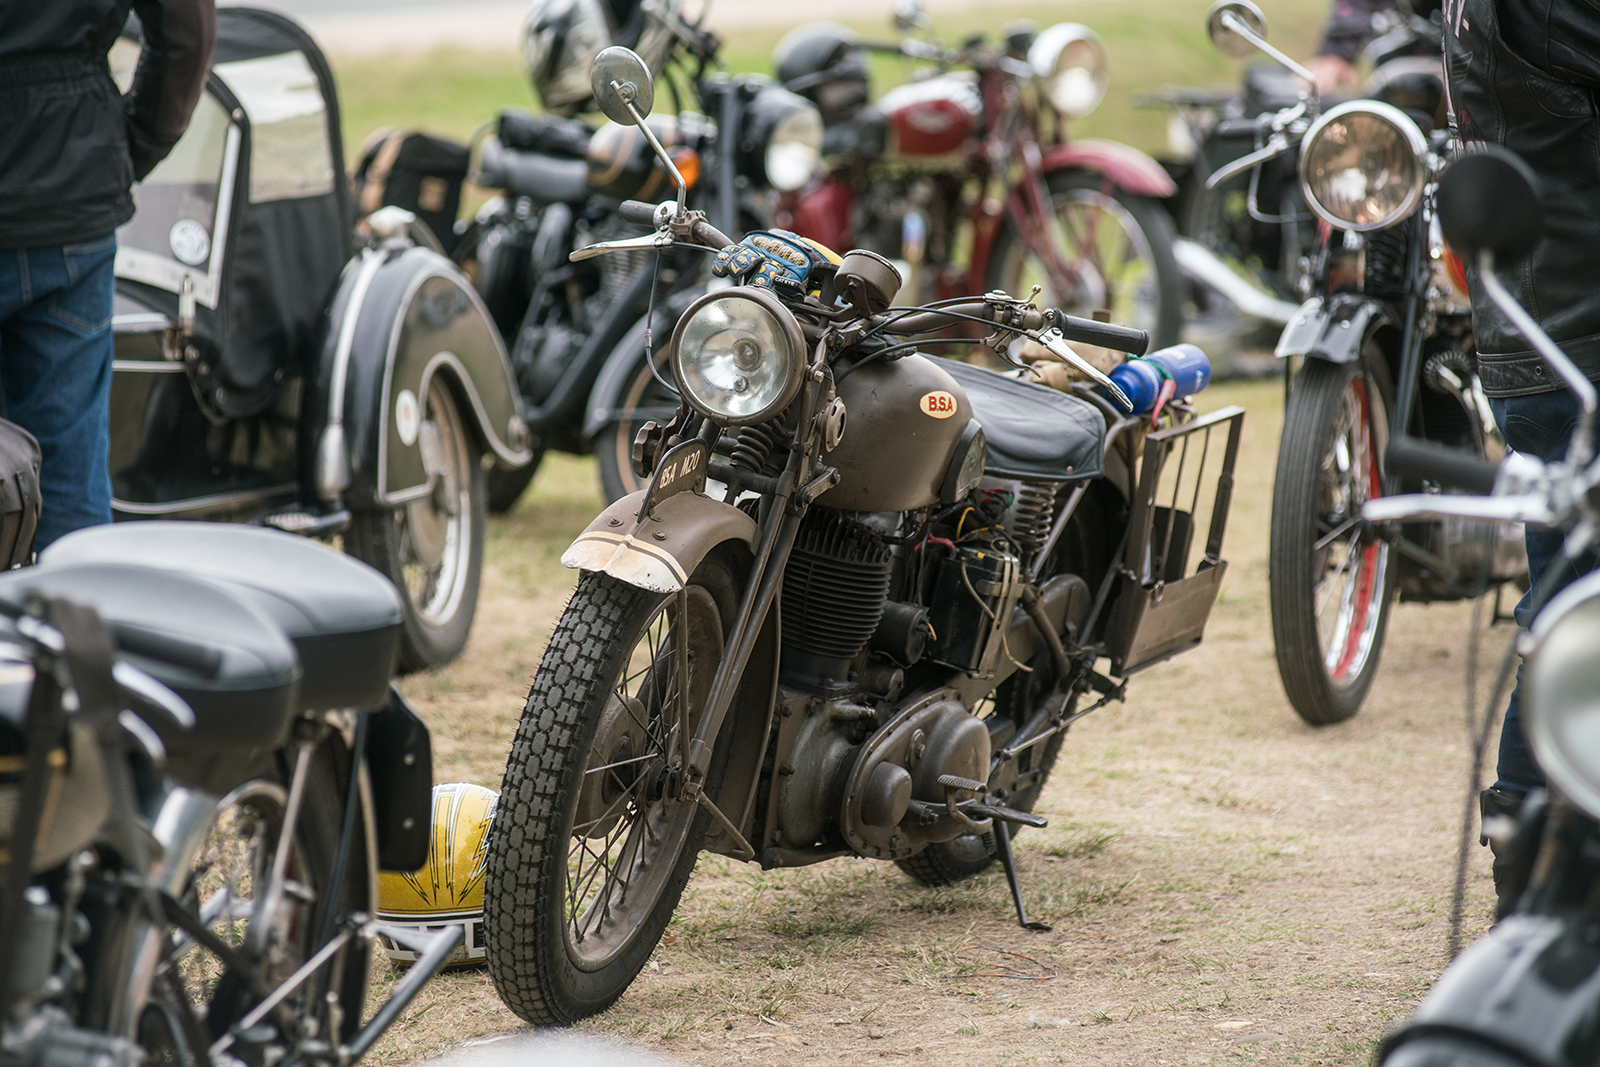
(1002, 837)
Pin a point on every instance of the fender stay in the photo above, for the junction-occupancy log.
(1330, 329)
(1125, 166)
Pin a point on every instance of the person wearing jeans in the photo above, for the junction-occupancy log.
(71, 147)
(1525, 74)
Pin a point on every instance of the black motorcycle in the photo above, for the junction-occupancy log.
(576, 331)
(202, 768)
(1528, 993)
(275, 367)
(1381, 348)
(854, 611)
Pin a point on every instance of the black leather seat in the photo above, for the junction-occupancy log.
(1032, 431)
(344, 617)
(233, 666)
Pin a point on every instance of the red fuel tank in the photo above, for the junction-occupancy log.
(932, 121)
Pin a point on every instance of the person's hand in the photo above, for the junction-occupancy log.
(1331, 72)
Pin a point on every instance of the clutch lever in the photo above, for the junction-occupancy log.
(1276, 145)
(1057, 346)
(625, 244)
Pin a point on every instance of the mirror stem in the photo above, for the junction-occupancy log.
(1581, 451)
(626, 94)
(1238, 25)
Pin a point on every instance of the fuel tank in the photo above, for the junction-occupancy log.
(903, 421)
(930, 122)
(622, 163)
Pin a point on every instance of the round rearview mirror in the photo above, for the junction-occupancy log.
(619, 78)
(1228, 40)
(1489, 199)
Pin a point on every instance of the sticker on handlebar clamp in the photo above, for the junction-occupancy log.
(938, 404)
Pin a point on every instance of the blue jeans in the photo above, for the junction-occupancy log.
(55, 373)
(1538, 425)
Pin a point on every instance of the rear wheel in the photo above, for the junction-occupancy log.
(1120, 247)
(1329, 577)
(432, 547)
(591, 845)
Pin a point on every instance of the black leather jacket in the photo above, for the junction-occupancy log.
(71, 145)
(1525, 74)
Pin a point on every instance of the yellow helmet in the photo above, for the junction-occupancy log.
(449, 887)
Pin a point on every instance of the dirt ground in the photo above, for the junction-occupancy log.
(1226, 884)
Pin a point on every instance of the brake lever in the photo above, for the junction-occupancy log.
(624, 244)
(1276, 145)
(1057, 346)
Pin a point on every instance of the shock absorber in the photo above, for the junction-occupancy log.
(753, 444)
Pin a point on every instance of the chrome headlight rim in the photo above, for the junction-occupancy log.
(790, 327)
(1559, 644)
(1045, 56)
(1414, 139)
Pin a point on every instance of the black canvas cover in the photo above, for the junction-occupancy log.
(1032, 431)
(285, 235)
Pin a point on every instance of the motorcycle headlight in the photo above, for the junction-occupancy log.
(783, 135)
(738, 356)
(1561, 697)
(1071, 61)
(1363, 165)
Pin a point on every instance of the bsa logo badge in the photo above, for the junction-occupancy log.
(938, 404)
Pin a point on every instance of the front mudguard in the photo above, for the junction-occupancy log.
(1125, 167)
(401, 317)
(1530, 989)
(659, 551)
(1331, 328)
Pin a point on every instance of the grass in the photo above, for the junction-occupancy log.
(1149, 43)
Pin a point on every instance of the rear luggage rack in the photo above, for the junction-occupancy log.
(1160, 610)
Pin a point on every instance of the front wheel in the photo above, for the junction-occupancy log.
(592, 844)
(1118, 247)
(1329, 576)
(432, 547)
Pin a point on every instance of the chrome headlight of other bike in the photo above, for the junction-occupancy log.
(1071, 61)
(1363, 166)
(782, 138)
(1561, 698)
(738, 355)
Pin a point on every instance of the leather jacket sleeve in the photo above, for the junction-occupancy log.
(176, 54)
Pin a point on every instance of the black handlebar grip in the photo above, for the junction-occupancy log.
(1452, 468)
(638, 212)
(1088, 332)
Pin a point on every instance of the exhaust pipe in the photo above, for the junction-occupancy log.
(1202, 264)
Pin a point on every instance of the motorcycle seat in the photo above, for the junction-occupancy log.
(1031, 431)
(343, 617)
(221, 654)
(545, 178)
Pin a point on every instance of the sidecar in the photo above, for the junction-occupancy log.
(274, 366)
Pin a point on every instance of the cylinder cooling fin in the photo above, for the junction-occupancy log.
(834, 591)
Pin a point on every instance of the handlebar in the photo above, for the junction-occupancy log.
(1083, 331)
(1104, 334)
(638, 212)
(642, 214)
(1452, 468)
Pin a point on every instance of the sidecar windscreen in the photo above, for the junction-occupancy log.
(249, 213)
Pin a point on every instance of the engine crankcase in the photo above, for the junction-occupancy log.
(902, 762)
(808, 793)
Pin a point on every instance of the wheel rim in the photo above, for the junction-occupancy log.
(1350, 568)
(436, 529)
(628, 830)
(1109, 250)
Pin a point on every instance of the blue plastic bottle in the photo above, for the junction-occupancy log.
(1140, 378)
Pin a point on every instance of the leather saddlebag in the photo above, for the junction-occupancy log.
(19, 494)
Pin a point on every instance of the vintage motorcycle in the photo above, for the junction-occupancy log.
(980, 147)
(871, 639)
(202, 768)
(266, 374)
(1528, 992)
(1246, 241)
(575, 331)
(1382, 348)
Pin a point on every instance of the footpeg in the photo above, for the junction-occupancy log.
(1001, 813)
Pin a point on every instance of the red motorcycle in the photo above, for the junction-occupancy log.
(981, 136)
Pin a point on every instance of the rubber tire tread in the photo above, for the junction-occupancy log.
(583, 652)
(1158, 229)
(1307, 431)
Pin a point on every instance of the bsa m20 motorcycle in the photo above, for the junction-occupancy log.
(1382, 348)
(1528, 991)
(853, 613)
(977, 156)
(202, 768)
